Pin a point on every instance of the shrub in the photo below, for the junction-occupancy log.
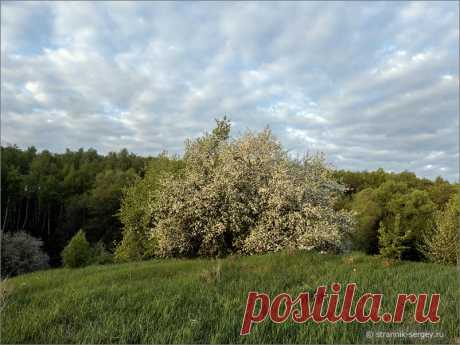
(246, 195)
(442, 244)
(21, 253)
(392, 239)
(134, 246)
(100, 255)
(78, 251)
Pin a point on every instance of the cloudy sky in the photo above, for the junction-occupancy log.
(370, 84)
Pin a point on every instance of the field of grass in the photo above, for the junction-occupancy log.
(203, 301)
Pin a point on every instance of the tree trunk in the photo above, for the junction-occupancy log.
(38, 212)
(27, 214)
(18, 219)
(48, 221)
(6, 214)
(43, 224)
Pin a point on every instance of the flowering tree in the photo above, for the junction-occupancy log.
(246, 195)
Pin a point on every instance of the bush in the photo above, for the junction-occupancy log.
(21, 253)
(442, 244)
(78, 252)
(134, 246)
(392, 239)
(247, 196)
(100, 255)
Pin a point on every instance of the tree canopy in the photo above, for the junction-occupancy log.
(222, 195)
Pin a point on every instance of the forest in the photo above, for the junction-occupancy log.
(51, 196)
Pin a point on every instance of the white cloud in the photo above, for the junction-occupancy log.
(37, 91)
(370, 84)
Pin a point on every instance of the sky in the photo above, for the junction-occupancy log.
(370, 84)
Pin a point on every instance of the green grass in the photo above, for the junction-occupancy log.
(202, 301)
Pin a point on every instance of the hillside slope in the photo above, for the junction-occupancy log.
(203, 301)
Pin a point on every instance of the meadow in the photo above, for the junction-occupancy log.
(203, 300)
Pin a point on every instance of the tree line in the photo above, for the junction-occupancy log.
(246, 192)
(51, 196)
(399, 214)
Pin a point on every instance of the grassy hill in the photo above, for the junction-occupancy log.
(202, 301)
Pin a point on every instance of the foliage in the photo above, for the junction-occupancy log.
(369, 213)
(100, 256)
(245, 195)
(371, 207)
(441, 191)
(416, 212)
(133, 246)
(104, 202)
(356, 181)
(78, 252)
(392, 239)
(377, 210)
(136, 210)
(21, 253)
(52, 195)
(442, 244)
